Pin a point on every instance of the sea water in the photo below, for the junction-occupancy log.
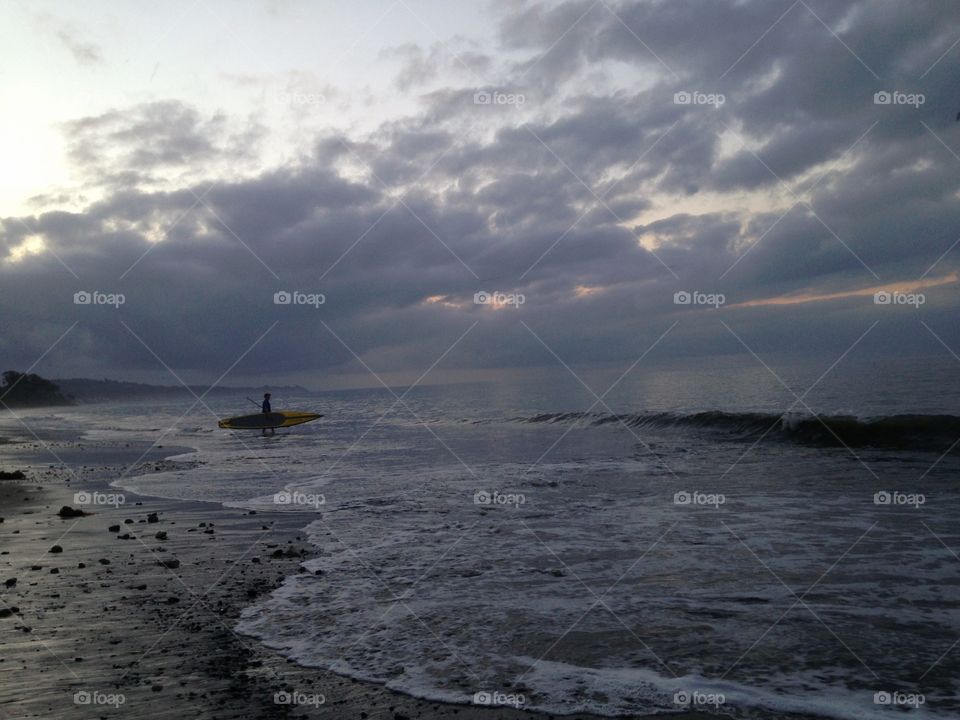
(733, 538)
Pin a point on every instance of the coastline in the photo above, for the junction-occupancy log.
(134, 614)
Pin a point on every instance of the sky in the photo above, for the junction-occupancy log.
(348, 193)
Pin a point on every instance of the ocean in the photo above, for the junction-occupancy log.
(720, 536)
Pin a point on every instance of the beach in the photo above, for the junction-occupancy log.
(129, 610)
(660, 563)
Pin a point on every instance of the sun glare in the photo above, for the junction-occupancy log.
(32, 245)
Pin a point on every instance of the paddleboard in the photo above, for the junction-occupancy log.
(259, 421)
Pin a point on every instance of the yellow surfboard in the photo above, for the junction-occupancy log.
(259, 421)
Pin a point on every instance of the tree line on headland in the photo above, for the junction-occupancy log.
(25, 390)
(30, 390)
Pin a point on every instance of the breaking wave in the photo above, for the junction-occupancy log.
(917, 432)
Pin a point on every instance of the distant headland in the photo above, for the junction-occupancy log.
(29, 390)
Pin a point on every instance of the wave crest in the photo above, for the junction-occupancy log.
(924, 432)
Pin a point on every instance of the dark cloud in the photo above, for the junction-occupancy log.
(598, 198)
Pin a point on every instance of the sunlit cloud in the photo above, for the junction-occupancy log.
(909, 286)
(32, 245)
(582, 291)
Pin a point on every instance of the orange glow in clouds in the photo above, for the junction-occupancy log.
(908, 286)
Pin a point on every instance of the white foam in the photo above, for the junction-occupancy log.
(485, 590)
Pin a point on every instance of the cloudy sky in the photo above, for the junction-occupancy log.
(310, 190)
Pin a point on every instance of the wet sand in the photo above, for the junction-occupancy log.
(128, 611)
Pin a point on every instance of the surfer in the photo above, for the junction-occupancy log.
(265, 408)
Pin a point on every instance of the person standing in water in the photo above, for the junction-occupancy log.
(265, 408)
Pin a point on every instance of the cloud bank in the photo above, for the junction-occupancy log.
(600, 160)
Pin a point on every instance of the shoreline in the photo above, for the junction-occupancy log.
(136, 610)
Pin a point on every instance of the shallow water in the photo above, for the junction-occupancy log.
(468, 544)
